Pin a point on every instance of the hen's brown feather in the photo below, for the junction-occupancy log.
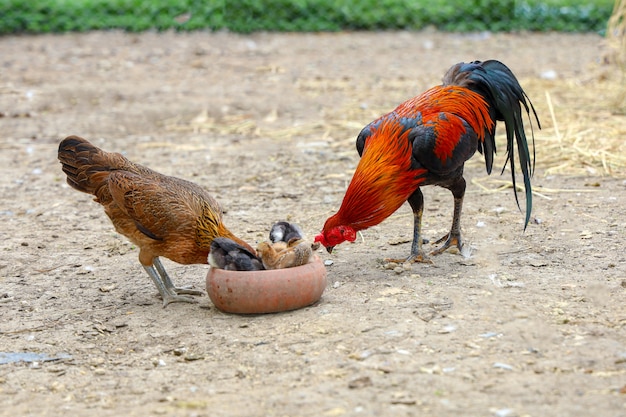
(163, 215)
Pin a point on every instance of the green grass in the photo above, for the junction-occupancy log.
(40, 16)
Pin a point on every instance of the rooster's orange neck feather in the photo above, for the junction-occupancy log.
(383, 179)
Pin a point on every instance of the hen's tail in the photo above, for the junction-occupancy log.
(496, 83)
(88, 167)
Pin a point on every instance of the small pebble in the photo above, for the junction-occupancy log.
(362, 382)
(107, 288)
(501, 365)
(193, 357)
(179, 351)
(447, 329)
(504, 412)
(158, 362)
(549, 75)
(328, 262)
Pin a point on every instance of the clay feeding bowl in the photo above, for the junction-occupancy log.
(268, 291)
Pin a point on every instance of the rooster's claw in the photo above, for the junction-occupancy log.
(449, 240)
(418, 258)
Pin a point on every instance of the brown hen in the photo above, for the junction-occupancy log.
(162, 215)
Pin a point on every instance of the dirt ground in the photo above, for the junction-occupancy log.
(532, 324)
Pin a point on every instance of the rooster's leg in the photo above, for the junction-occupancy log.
(454, 237)
(416, 200)
(168, 281)
(168, 295)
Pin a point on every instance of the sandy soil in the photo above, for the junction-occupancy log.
(532, 324)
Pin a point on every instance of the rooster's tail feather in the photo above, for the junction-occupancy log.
(502, 91)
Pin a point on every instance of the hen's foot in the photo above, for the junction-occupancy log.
(449, 240)
(172, 297)
(187, 289)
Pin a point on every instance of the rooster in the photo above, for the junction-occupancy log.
(162, 215)
(426, 141)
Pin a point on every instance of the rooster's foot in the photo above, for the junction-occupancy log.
(449, 240)
(418, 258)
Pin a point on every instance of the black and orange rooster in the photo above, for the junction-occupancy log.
(426, 141)
(162, 215)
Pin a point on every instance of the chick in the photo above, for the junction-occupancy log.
(285, 231)
(276, 256)
(227, 254)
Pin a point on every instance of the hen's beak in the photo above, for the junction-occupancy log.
(329, 249)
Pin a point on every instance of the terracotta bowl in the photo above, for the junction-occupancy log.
(270, 291)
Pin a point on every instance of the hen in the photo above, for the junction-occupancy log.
(426, 141)
(164, 216)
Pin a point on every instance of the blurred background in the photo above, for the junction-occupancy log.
(245, 16)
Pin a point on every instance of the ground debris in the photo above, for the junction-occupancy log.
(360, 382)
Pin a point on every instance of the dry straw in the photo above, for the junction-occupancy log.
(616, 36)
(586, 130)
(583, 119)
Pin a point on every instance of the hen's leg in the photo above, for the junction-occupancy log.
(168, 281)
(457, 187)
(416, 200)
(168, 295)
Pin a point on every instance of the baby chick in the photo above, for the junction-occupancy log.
(280, 255)
(285, 231)
(228, 254)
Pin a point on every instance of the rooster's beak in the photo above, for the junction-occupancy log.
(329, 249)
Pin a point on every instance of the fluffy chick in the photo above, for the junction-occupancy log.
(278, 255)
(227, 254)
(285, 232)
